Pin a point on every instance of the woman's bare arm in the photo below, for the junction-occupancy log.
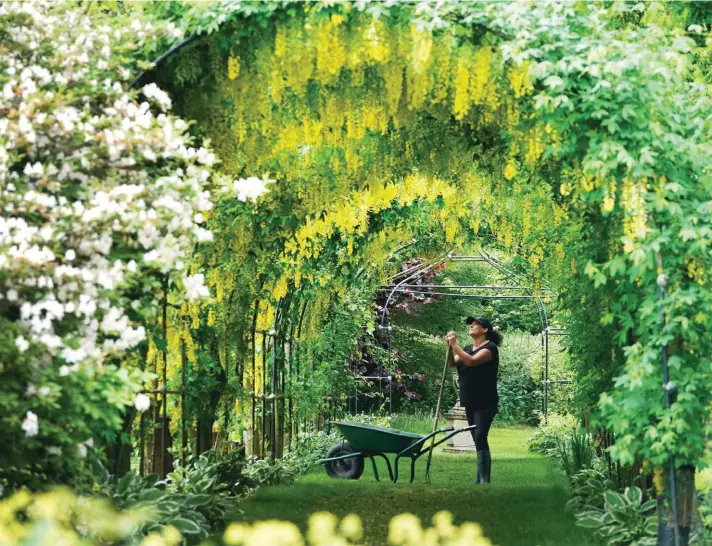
(482, 357)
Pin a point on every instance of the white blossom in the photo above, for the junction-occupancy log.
(250, 188)
(142, 402)
(81, 183)
(152, 91)
(22, 344)
(195, 286)
(159, 206)
(30, 424)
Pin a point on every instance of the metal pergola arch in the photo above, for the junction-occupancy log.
(399, 284)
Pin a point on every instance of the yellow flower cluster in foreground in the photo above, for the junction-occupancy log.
(325, 529)
(61, 517)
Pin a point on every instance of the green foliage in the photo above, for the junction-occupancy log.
(419, 422)
(195, 499)
(588, 486)
(547, 435)
(184, 511)
(520, 392)
(569, 444)
(574, 451)
(327, 354)
(378, 419)
(703, 534)
(221, 474)
(624, 519)
(308, 448)
(270, 472)
(422, 352)
(76, 412)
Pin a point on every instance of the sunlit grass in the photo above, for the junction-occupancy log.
(524, 506)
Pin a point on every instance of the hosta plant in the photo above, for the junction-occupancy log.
(624, 519)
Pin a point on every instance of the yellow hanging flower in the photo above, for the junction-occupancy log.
(233, 67)
(608, 204)
(510, 171)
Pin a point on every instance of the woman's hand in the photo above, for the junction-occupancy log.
(451, 338)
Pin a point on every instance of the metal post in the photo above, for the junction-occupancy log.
(546, 375)
(264, 393)
(390, 370)
(164, 423)
(142, 443)
(184, 428)
(254, 390)
(275, 382)
(668, 388)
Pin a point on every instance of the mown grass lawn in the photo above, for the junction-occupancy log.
(524, 505)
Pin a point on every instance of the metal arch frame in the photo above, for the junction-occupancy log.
(410, 275)
(403, 286)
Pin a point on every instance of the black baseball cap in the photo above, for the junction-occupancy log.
(485, 323)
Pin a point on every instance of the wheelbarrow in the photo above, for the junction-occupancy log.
(346, 459)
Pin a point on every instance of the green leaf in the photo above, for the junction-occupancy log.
(100, 472)
(688, 233)
(125, 483)
(151, 495)
(590, 522)
(194, 501)
(614, 500)
(620, 516)
(185, 526)
(633, 495)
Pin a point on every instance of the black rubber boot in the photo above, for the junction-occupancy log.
(484, 467)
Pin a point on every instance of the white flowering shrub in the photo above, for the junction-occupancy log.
(103, 196)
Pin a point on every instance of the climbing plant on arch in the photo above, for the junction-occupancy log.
(569, 137)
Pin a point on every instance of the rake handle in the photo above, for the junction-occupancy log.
(440, 401)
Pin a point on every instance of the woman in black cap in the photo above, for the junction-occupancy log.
(477, 368)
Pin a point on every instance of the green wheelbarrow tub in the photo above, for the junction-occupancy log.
(346, 459)
(370, 438)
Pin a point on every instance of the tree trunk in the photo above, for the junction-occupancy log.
(162, 458)
(204, 440)
(686, 506)
(118, 454)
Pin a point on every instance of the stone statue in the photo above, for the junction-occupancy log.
(456, 383)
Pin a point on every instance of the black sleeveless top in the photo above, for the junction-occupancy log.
(478, 384)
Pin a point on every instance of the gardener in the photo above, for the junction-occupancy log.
(477, 368)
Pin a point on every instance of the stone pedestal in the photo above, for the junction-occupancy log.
(463, 442)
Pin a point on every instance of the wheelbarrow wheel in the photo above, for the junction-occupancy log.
(345, 469)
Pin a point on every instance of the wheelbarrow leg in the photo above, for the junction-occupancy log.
(412, 468)
(375, 469)
(388, 466)
(398, 458)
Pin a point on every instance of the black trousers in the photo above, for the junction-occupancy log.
(482, 417)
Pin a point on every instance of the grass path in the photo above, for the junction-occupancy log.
(524, 505)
